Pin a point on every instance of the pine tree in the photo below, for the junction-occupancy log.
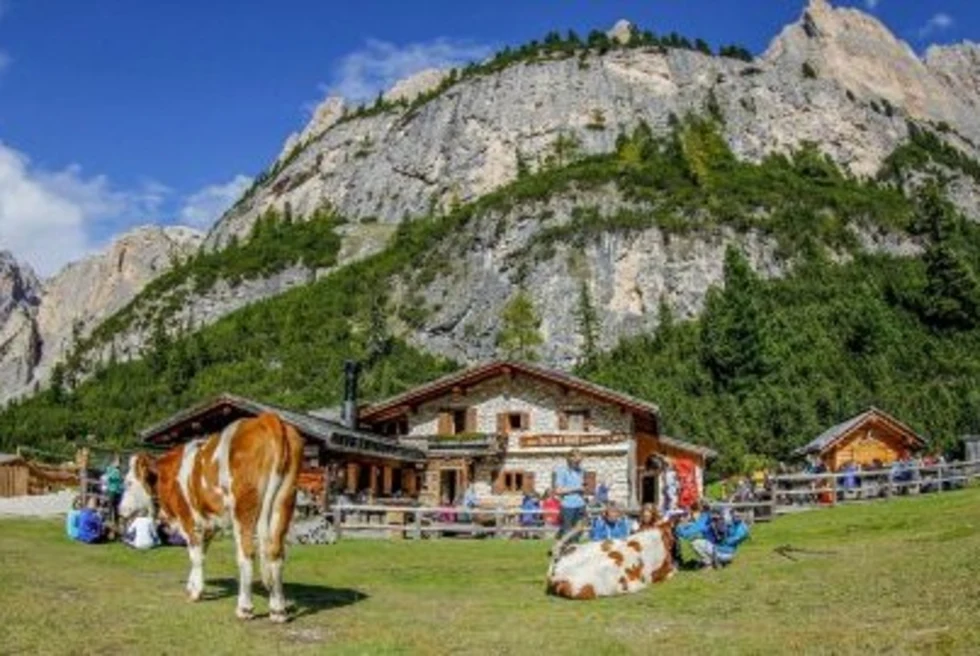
(519, 337)
(56, 390)
(588, 324)
(379, 341)
(733, 337)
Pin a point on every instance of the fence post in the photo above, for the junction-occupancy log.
(338, 521)
(833, 489)
(939, 477)
(418, 524)
(83, 482)
(498, 521)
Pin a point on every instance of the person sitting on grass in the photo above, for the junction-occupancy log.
(714, 536)
(169, 535)
(91, 528)
(71, 521)
(142, 534)
(610, 525)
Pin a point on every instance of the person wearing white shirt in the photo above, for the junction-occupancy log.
(142, 533)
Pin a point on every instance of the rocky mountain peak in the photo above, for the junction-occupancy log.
(860, 53)
(38, 322)
(325, 115)
(416, 84)
(958, 66)
(19, 285)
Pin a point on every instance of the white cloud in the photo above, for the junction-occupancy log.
(202, 209)
(360, 75)
(51, 218)
(38, 222)
(937, 23)
(872, 4)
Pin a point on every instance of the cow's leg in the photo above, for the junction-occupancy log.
(244, 527)
(282, 515)
(195, 581)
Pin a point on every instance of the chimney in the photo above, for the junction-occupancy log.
(351, 371)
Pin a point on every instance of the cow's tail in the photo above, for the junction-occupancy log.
(279, 497)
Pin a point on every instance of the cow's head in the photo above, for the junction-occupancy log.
(141, 482)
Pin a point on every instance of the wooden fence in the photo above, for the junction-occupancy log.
(788, 493)
(417, 522)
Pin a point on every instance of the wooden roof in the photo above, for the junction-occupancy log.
(223, 409)
(682, 445)
(10, 459)
(834, 434)
(439, 387)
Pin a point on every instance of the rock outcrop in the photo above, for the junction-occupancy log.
(38, 323)
(837, 77)
(20, 296)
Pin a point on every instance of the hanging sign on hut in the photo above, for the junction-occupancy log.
(531, 441)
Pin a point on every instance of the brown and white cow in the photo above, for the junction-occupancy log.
(247, 472)
(613, 567)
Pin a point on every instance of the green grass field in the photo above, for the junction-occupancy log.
(905, 578)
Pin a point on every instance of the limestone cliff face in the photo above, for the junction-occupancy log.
(860, 54)
(837, 78)
(20, 295)
(466, 141)
(39, 322)
(626, 275)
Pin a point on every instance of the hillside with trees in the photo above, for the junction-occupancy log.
(768, 364)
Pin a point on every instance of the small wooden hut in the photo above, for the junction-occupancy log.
(872, 437)
(14, 475)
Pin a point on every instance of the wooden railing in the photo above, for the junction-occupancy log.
(790, 492)
(425, 522)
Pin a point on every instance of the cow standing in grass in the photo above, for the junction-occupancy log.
(247, 472)
(613, 567)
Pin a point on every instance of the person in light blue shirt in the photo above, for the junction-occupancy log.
(569, 487)
(715, 537)
(610, 525)
(72, 521)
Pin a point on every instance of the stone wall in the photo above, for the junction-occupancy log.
(520, 394)
(611, 468)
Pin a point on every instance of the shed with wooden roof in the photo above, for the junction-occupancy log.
(14, 475)
(871, 438)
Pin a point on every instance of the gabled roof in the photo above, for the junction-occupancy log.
(479, 373)
(833, 434)
(688, 446)
(335, 435)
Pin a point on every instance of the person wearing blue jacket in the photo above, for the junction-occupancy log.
(610, 525)
(714, 536)
(90, 526)
(71, 522)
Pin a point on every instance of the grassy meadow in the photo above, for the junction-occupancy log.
(904, 578)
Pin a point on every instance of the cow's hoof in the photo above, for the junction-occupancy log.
(244, 613)
(193, 595)
(278, 616)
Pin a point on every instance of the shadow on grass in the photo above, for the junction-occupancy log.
(303, 599)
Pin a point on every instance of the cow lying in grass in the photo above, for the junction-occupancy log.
(247, 472)
(613, 567)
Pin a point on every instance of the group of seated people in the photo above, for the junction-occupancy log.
(714, 534)
(93, 525)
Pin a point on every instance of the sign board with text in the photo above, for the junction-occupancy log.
(531, 441)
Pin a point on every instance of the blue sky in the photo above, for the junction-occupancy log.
(115, 113)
